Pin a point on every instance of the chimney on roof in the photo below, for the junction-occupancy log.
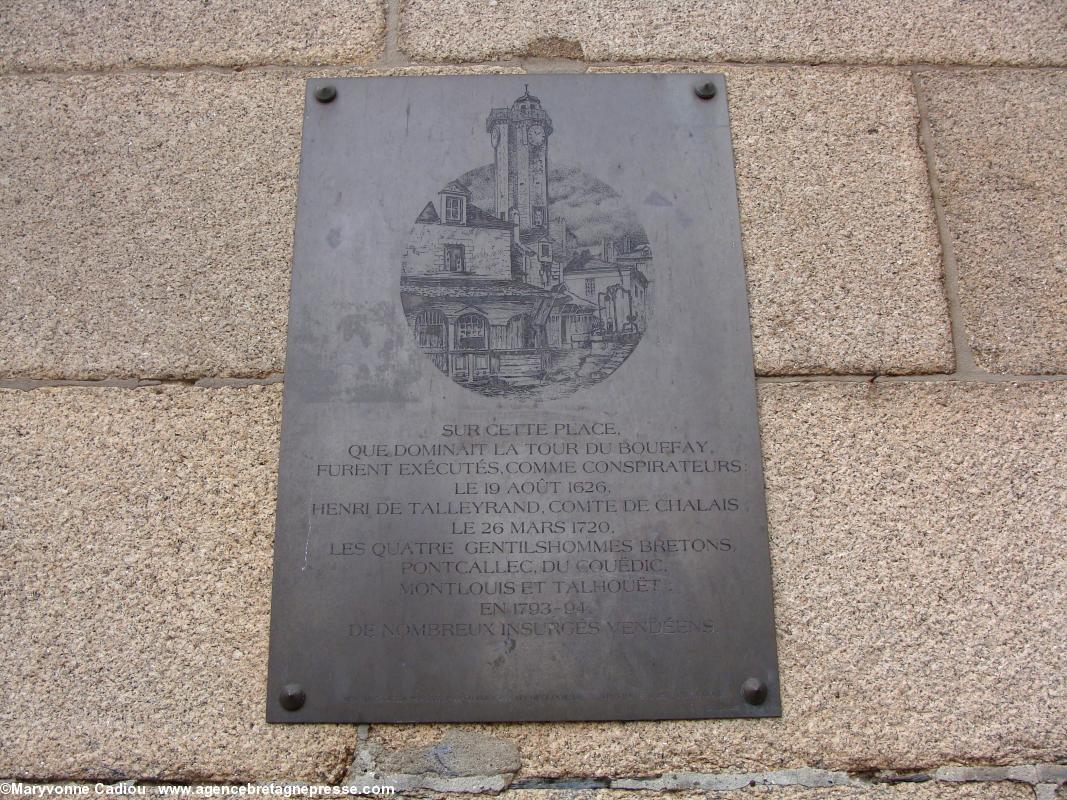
(607, 249)
(557, 231)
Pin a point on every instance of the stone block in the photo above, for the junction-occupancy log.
(42, 36)
(1000, 144)
(811, 31)
(838, 228)
(148, 222)
(458, 754)
(137, 530)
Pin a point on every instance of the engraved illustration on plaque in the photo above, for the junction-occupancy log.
(522, 278)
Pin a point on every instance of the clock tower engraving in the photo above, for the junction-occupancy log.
(520, 147)
(501, 293)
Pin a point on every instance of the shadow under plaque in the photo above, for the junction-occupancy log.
(520, 472)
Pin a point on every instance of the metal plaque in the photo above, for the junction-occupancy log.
(520, 466)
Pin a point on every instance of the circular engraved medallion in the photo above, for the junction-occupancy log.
(520, 279)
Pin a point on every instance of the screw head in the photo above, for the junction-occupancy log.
(292, 697)
(754, 691)
(326, 94)
(705, 91)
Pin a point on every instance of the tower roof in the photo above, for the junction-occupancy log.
(527, 97)
(526, 108)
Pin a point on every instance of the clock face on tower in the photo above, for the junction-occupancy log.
(537, 135)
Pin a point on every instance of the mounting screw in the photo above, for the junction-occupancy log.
(326, 94)
(705, 91)
(754, 691)
(292, 697)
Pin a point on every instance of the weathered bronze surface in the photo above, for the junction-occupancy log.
(520, 474)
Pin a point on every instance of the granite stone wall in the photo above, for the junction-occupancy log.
(902, 170)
